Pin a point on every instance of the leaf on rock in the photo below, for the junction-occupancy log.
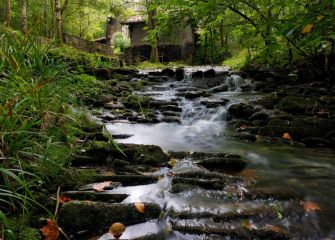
(287, 136)
(249, 174)
(50, 231)
(243, 127)
(139, 207)
(117, 229)
(273, 228)
(172, 162)
(249, 225)
(99, 187)
(310, 206)
(307, 28)
(64, 199)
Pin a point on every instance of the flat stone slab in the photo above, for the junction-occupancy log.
(93, 216)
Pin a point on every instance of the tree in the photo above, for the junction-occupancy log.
(58, 21)
(24, 16)
(7, 13)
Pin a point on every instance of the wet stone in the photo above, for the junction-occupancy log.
(221, 88)
(223, 164)
(93, 216)
(95, 196)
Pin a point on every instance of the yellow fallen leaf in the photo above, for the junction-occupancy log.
(307, 28)
(310, 206)
(319, 18)
(99, 187)
(287, 136)
(172, 162)
(117, 229)
(139, 207)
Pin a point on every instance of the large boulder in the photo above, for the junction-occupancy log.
(296, 105)
(242, 110)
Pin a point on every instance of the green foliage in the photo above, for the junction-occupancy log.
(75, 57)
(120, 42)
(239, 60)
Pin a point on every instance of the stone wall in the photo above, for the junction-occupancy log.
(87, 46)
(167, 53)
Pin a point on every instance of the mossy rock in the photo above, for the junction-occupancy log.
(142, 154)
(296, 105)
(93, 216)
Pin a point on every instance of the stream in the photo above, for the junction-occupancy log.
(310, 172)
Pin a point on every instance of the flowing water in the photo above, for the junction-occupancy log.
(309, 171)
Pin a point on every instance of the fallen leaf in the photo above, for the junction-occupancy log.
(249, 174)
(99, 187)
(249, 225)
(139, 207)
(172, 162)
(273, 228)
(50, 231)
(64, 199)
(117, 229)
(243, 127)
(310, 206)
(307, 28)
(319, 18)
(287, 136)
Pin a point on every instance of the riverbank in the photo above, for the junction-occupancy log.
(65, 149)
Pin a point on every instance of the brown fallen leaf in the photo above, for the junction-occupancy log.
(64, 199)
(99, 187)
(249, 174)
(310, 206)
(139, 207)
(243, 127)
(273, 228)
(287, 136)
(117, 229)
(50, 231)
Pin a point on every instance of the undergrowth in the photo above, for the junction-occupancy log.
(39, 128)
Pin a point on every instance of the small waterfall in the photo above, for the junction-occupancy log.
(234, 82)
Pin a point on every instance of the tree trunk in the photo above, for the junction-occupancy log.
(24, 17)
(152, 26)
(222, 41)
(58, 19)
(7, 13)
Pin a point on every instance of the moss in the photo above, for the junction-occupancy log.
(30, 234)
(100, 215)
(150, 65)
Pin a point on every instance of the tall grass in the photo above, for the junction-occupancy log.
(33, 109)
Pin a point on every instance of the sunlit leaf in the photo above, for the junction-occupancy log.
(99, 187)
(307, 29)
(310, 206)
(139, 207)
(50, 231)
(172, 162)
(117, 229)
(287, 136)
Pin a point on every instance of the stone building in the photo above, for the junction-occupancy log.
(177, 45)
